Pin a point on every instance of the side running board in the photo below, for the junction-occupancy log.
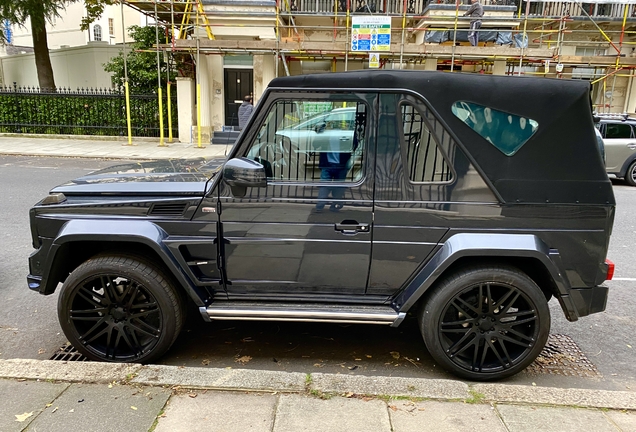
(352, 314)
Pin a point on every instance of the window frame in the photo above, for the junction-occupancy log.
(405, 100)
(631, 127)
(258, 121)
(97, 29)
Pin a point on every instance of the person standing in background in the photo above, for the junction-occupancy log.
(245, 111)
(476, 11)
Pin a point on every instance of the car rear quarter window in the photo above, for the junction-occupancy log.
(618, 130)
(507, 132)
(425, 162)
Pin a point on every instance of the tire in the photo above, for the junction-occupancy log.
(630, 175)
(120, 309)
(485, 323)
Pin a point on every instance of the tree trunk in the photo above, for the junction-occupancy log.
(41, 50)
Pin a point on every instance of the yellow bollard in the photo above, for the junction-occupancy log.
(169, 115)
(161, 141)
(128, 113)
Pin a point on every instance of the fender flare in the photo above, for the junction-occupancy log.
(623, 172)
(144, 232)
(487, 245)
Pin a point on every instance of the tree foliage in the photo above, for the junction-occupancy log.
(141, 59)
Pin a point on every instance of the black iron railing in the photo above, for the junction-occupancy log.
(81, 112)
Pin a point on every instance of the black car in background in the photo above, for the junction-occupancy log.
(425, 193)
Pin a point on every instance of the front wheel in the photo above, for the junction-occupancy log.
(485, 323)
(120, 309)
(630, 175)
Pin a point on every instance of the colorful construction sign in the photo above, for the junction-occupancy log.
(371, 33)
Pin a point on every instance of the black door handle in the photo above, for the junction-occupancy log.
(351, 227)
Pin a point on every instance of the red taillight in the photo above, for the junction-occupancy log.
(610, 270)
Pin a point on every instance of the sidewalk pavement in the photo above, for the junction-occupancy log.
(87, 396)
(92, 147)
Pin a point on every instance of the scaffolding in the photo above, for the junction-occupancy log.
(551, 34)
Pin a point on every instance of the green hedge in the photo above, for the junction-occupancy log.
(92, 112)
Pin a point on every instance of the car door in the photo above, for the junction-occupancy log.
(424, 187)
(308, 231)
(620, 145)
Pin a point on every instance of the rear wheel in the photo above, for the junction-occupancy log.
(120, 309)
(485, 323)
(630, 175)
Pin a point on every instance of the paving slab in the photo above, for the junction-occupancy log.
(519, 418)
(91, 372)
(625, 420)
(297, 413)
(100, 408)
(433, 416)
(218, 412)
(391, 386)
(215, 378)
(27, 399)
(557, 396)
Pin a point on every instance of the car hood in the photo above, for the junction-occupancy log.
(164, 177)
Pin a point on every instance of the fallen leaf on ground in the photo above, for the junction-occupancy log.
(357, 359)
(318, 365)
(395, 354)
(205, 362)
(133, 408)
(354, 367)
(369, 356)
(243, 359)
(71, 410)
(22, 417)
(393, 407)
(192, 395)
(41, 351)
(349, 395)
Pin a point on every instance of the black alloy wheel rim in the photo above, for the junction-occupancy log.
(488, 327)
(115, 318)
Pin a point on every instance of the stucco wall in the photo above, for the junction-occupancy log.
(72, 67)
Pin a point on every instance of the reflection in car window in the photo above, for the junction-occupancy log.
(507, 132)
(425, 161)
(618, 130)
(312, 141)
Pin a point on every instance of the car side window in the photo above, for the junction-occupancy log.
(305, 140)
(618, 130)
(425, 162)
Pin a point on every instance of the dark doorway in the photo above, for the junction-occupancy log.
(238, 84)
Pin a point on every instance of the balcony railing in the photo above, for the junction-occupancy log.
(390, 7)
(614, 11)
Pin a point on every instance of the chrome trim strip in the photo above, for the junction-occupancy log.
(300, 315)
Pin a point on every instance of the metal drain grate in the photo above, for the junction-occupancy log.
(562, 356)
(68, 353)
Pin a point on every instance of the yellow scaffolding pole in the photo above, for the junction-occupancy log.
(126, 90)
(159, 93)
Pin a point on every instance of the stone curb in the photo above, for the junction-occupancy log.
(296, 382)
(84, 137)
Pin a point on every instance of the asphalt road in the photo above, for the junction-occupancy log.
(29, 328)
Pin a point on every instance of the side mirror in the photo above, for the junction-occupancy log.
(241, 173)
(320, 128)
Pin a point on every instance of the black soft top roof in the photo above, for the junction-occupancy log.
(560, 162)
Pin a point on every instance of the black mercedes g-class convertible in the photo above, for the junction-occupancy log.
(466, 200)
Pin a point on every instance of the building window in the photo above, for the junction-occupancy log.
(97, 32)
(111, 26)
